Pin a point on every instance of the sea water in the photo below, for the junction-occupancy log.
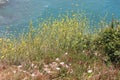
(16, 14)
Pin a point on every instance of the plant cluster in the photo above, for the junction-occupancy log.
(108, 41)
(64, 48)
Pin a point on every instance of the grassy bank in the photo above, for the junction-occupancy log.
(63, 49)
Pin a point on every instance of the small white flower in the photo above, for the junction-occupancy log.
(89, 71)
(20, 66)
(35, 66)
(57, 59)
(66, 66)
(32, 65)
(54, 64)
(58, 68)
(24, 71)
(83, 51)
(95, 53)
(33, 75)
(66, 53)
(62, 63)
(14, 72)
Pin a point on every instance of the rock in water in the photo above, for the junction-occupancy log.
(3, 2)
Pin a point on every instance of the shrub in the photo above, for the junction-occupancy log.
(108, 41)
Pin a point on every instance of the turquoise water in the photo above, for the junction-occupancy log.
(17, 13)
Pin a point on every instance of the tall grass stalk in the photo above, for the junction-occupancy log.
(52, 36)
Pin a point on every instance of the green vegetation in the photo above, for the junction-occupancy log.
(109, 41)
(63, 49)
